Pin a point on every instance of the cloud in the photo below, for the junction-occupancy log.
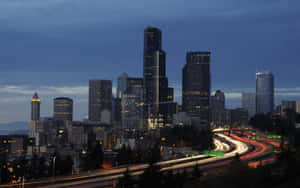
(74, 12)
(49, 90)
(15, 89)
(14, 100)
(80, 91)
(287, 89)
(77, 90)
(234, 95)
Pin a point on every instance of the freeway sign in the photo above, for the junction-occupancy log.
(213, 153)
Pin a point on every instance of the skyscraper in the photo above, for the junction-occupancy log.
(285, 105)
(298, 107)
(63, 109)
(122, 85)
(218, 108)
(35, 107)
(132, 98)
(264, 92)
(249, 103)
(100, 100)
(155, 80)
(196, 85)
(156, 90)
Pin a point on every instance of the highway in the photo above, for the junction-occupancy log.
(110, 176)
(176, 164)
(240, 148)
(117, 172)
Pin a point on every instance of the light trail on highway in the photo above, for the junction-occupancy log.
(112, 175)
(120, 170)
(240, 148)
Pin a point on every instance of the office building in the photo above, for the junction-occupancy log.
(249, 103)
(196, 85)
(285, 105)
(35, 107)
(157, 94)
(239, 116)
(45, 131)
(278, 109)
(100, 100)
(117, 111)
(218, 108)
(63, 109)
(298, 107)
(264, 92)
(122, 85)
(236, 117)
(13, 144)
(152, 48)
(132, 99)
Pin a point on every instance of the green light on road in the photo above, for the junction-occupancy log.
(212, 153)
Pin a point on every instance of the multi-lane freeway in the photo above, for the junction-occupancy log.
(247, 149)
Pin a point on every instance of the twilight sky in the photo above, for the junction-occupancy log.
(54, 46)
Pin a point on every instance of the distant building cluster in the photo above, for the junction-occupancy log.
(142, 105)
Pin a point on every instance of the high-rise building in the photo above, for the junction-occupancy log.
(155, 80)
(63, 109)
(196, 85)
(239, 116)
(288, 105)
(122, 85)
(117, 110)
(100, 100)
(152, 44)
(156, 90)
(132, 99)
(264, 92)
(35, 107)
(249, 103)
(218, 108)
(278, 109)
(298, 107)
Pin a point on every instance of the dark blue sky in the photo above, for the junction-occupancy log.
(55, 46)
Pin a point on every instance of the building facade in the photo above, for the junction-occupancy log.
(46, 132)
(35, 107)
(152, 45)
(288, 105)
(63, 109)
(264, 92)
(239, 116)
(249, 103)
(218, 108)
(297, 106)
(100, 99)
(157, 94)
(236, 117)
(132, 99)
(122, 85)
(196, 85)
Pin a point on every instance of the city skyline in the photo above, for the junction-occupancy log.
(62, 72)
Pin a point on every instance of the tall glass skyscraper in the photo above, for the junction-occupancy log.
(249, 103)
(100, 99)
(155, 80)
(218, 108)
(156, 90)
(122, 85)
(264, 92)
(196, 85)
(132, 112)
(63, 109)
